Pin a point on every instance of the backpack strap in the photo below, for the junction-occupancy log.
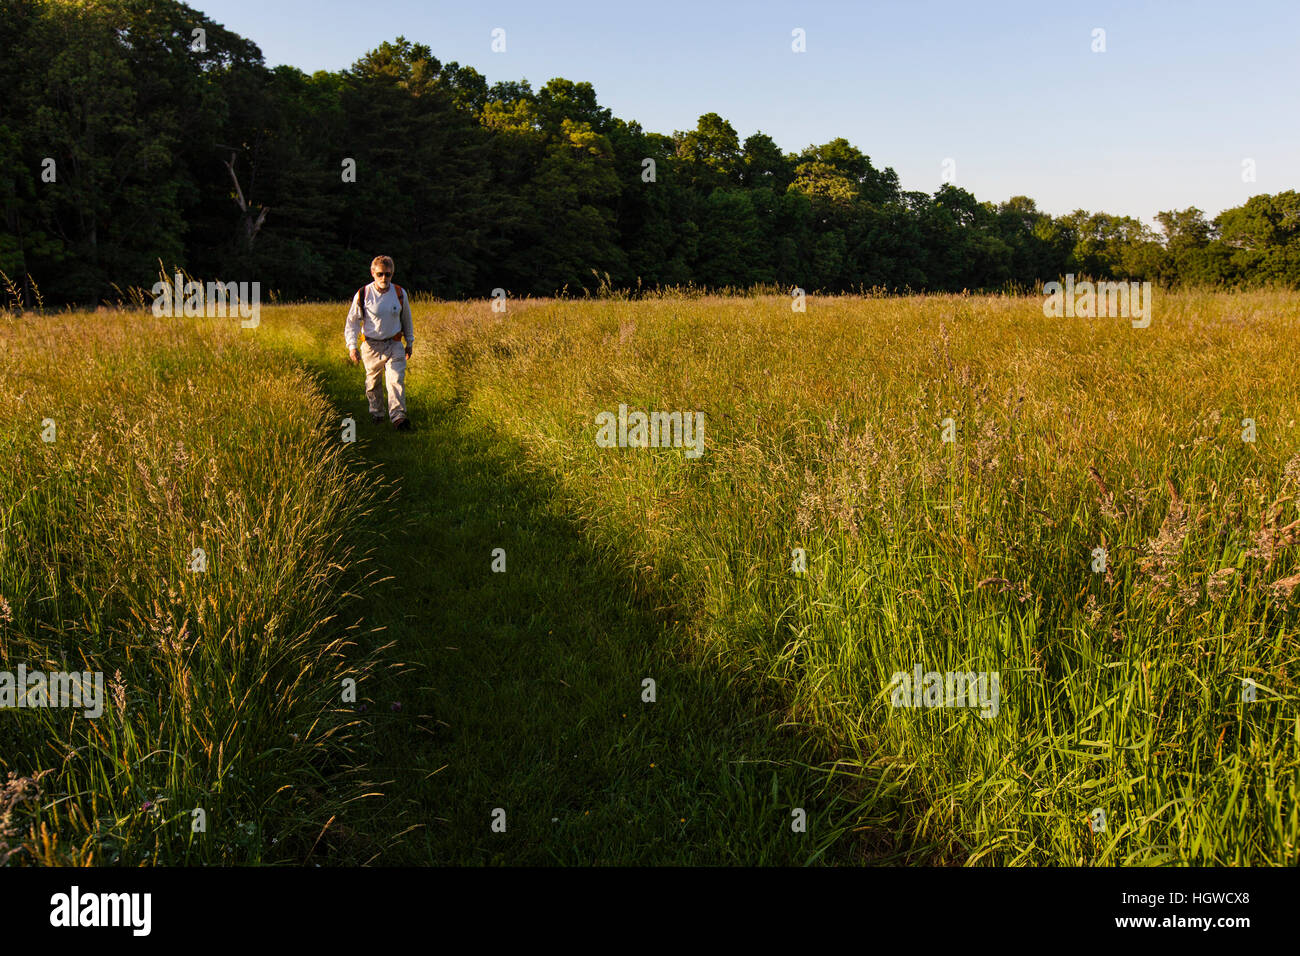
(361, 298)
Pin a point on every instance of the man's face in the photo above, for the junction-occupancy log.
(382, 274)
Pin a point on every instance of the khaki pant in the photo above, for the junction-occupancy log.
(385, 361)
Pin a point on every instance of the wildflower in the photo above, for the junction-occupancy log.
(1021, 591)
(1105, 496)
(14, 792)
(1162, 552)
(118, 687)
(1283, 588)
(1270, 539)
(1092, 610)
(1291, 471)
(1218, 584)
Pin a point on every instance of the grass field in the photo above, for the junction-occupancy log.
(1123, 733)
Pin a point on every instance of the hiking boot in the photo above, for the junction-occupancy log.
(401, 424)
(377, 419)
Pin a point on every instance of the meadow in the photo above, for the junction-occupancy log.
(1104, 516)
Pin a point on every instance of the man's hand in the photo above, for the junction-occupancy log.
(408, 349)
(354, 356)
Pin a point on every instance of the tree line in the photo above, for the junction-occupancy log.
(139, 131)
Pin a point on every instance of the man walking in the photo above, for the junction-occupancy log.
(382, 314)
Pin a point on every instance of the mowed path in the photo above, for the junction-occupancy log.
(524, 692)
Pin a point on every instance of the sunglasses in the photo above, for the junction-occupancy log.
(383, 273)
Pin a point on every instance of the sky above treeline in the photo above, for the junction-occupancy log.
(1187, 101)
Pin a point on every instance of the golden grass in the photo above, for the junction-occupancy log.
(170, 436)
(1122, 689)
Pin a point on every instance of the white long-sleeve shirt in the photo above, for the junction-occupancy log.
(379, 316)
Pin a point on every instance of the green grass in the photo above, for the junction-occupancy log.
(1120, 690)
(525, 687)
(224, 685)
(520, 690)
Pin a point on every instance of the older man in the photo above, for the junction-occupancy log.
(381, 312)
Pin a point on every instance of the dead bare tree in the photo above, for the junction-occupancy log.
(249, 223)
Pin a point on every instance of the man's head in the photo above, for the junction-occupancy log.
(381, 268)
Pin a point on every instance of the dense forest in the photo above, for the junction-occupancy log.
(139, 131)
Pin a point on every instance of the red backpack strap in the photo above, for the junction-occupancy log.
(401, 296)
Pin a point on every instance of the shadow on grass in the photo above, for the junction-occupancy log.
(520, 734)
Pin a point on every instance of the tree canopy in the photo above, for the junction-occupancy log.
(134, 131)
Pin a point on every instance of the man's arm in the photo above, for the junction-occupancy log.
(408, 330)
(352, 327)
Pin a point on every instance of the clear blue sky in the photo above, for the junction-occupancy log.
(1010, 91)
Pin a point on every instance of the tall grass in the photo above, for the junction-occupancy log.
(1121, 690)
(224, 685)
